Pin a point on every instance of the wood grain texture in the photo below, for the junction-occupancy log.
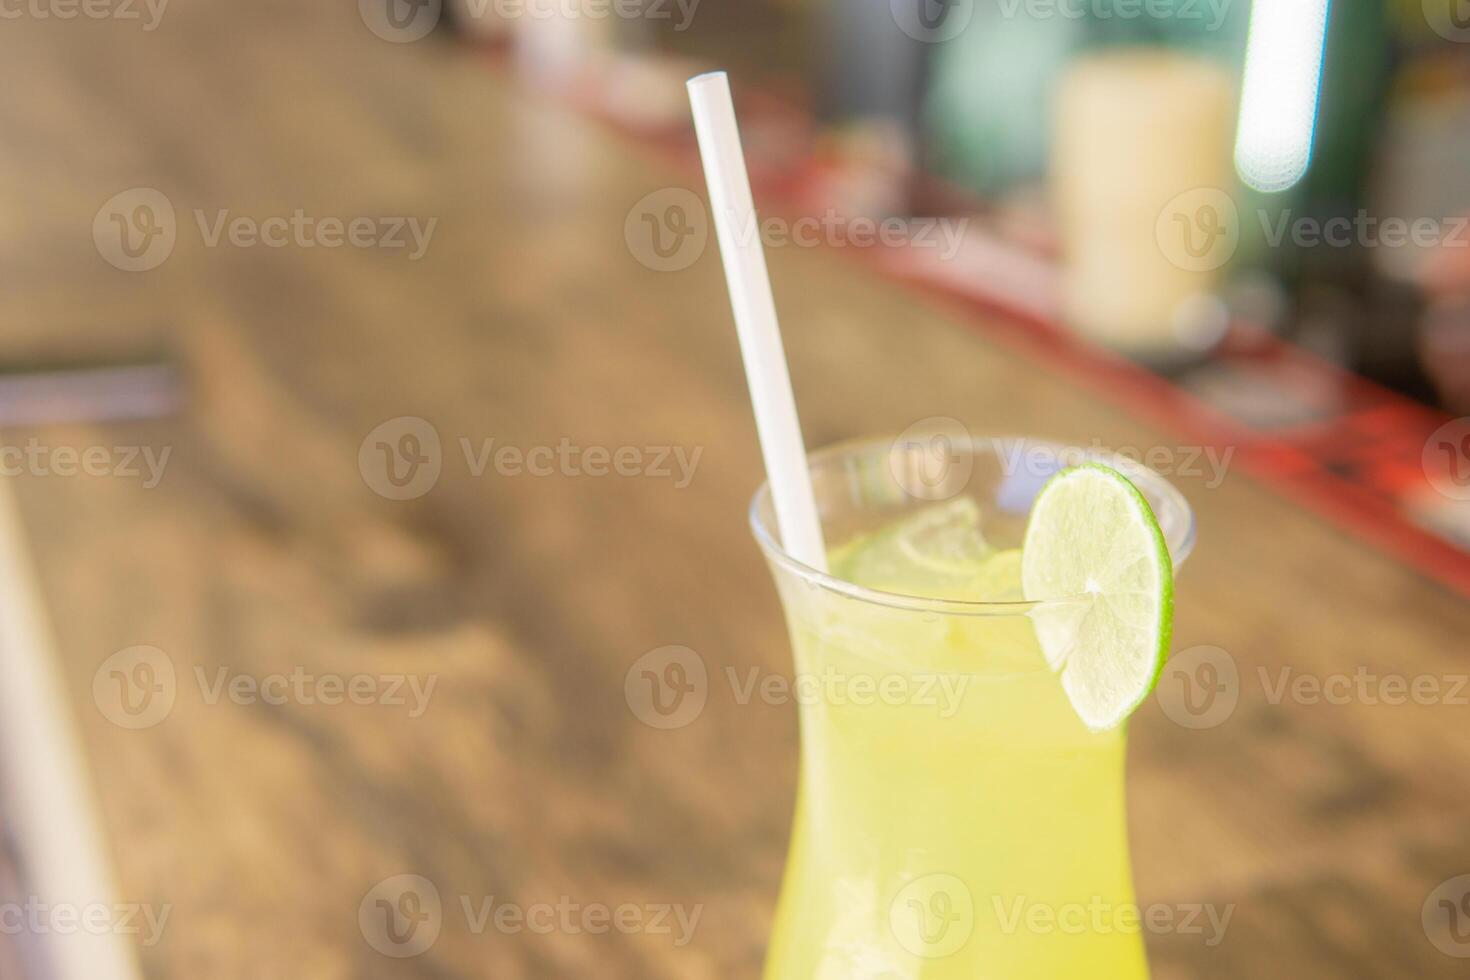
(263, 827)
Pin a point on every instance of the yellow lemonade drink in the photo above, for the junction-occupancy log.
(955, 818)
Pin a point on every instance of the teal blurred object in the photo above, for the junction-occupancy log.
(988, 113)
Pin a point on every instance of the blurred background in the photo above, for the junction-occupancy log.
(1106, 181)
(370, 410)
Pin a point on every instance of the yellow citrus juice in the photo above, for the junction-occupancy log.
(955, 819)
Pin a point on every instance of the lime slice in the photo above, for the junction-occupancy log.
(935, 552)
(1094, 545)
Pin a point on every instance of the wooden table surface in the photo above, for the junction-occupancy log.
(264, 828)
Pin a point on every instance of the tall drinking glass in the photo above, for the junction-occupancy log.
(955, 818)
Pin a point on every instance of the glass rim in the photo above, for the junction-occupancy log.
(1151, 483)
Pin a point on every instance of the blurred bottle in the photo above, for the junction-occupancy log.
(877, 69)
(562, 42)
(876, 74)
(1144, 193)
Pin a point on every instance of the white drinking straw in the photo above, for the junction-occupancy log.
(755, 318)
(50, 810)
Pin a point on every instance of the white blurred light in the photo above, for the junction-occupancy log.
(1278, 98)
